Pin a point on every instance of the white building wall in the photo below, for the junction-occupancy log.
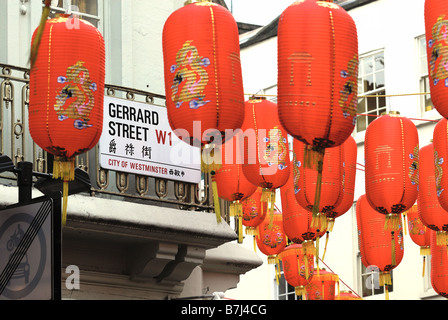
(392, 25)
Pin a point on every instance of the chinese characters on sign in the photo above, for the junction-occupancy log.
(137, 138)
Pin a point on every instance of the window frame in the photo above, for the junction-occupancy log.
(66, 8)
(374, 95)
(423, 78)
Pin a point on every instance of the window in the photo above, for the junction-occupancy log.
(425, 99)
(371, 89)
(86, 9)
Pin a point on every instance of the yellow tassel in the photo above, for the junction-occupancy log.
(441, 238)
(330, 224)
(318, 219)
(240, 229)
(394, 263)
(323, 290)
(317, 253)
(64, 169)
(216, 200)
(300, 291)
(404, 223)
(386, 290)
(255, 244)
(326, 243)
(392, 222)
(424, 266)
(307, 271)
(209, 152)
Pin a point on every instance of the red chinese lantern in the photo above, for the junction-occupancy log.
(322, 286)
(271, 239)
(309, 185)
(440, 143)
(254, 212)
(436, 26)
(430, 211)
(378, 247)
(297, 221)
(317, 77)
(266, 153)
(349, 153)
(391, 159)
(66, 92)
(202, 68)
(298, 267)
(419, 233)
(231, 183)
(439, 266)
(317, 73)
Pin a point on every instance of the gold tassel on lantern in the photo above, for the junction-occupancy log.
(314, 159)
(212, 161)
(216, 199)
(424, 251)
(326, 243)
(64, 169)
(36, 43)
(394, 262)
(236, 210)
(392, 221)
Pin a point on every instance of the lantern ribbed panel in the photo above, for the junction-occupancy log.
(317, 72)
(232, 183)
(296, 219)
(266, 151)
(439, 266)
(298, 266)
(375, 243)
(322, 286)
(271, 239)
(430, 211)
(418, 232)
(440, 143)
(391, 162)
(305, 179)
(254, 211)
(67, 88)
(349, 153)
(436, 24)
(203, 79)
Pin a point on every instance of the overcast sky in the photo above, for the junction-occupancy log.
(259, 12)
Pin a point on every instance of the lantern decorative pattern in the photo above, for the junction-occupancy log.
(322, 286)
(391, 171)
(439, 266)
(254, 212)
(271, 239)
(202, 68)
(349, 154)
(436, 22)
(266, 155)
(298, 267)
(430, 211)
(317, 73)
(329, 184)
(66, 93)
(231, 183)
(378, 246)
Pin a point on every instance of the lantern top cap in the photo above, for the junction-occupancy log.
(391, 113)
(194, 1)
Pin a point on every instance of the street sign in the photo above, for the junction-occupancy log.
(137, 138)
(30, 240)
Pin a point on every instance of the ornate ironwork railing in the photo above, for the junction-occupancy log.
(16, 142)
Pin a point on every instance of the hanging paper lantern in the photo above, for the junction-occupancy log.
(322, 286)
(254, 212)
(391, 158)
(317, 73)
(266, 151)
(271, 239)
(349, 154)
(378, 246)
(436, 26)
(298, 267)
(419, 233)
(202, 68)
(439, 266)
(66, 93)
(308, 184)
(430, 211)
(297, 221)
(231, 183)
(440, 144)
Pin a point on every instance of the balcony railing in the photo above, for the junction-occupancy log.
(16, 142)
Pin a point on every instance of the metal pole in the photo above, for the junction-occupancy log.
(25, 181)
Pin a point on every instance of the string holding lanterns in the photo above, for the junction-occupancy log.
(66, 92)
